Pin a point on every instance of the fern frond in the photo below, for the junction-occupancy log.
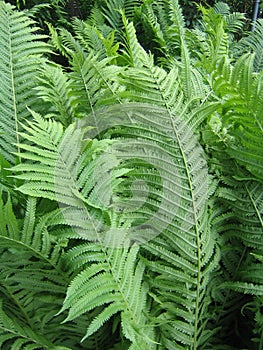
(21, 51)
(242, 287)
(252, 42)
(213, 39)
(33, 282)
(28, 270)
(113, 8)
(100, 39)
(171, 247)
(19, 335)
(54, 88)
(115, 281)
(237, 117)
(151, 20)
(222, 8)
(170, 27)
(146, 82)
(247, 208)
(92, 80)
(246, 116)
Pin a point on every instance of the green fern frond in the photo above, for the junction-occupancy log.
(242, 287)
(237, 117)
(21, 51)
(27, 273)
(171, 29)
(222, 8)
(247, 208)
(172, 247)
(33, 282)
(146, 82)
(113, 8)
(64, 42)
(176, 32)
(151, 20)
(19, 336)
(235, 22)
(92, 80)
(100, 40)
(54, 88)
(133, 52)
(252, 42)
(114, 281)
(212, 36)
(246, 117)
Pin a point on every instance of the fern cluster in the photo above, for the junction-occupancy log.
(131, 180)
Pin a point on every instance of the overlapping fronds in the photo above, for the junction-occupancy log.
(247, 208)
(20, 50)
(147, 146)
(127, 293)
(167, 22)
(109, 221)
(146, 82)
(23, 281)
(54, 88)
(253, 42)
(239, 90)
(112, 10)
(100, 38)
(33, 282)
(113, 279)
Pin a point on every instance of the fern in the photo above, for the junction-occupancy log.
(44, 188)
(54, 88)
(33, 282)
(191, 175)
(87, 68)
(244, 119)
(99, 39)
(131, 188)
(113, 8)
(21, 51)
(171, 28)
(146, 82)
(252, 42)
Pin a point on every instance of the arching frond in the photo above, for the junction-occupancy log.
(19, 335)
(222, 8)
(20, 50)
(247, 207)
(253, 42)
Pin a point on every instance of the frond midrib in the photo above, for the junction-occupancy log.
(13, 86)
(194, 210)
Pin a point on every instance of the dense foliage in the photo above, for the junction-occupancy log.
(131, 205)
(61, 11)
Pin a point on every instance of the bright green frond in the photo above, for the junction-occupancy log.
(20, 50)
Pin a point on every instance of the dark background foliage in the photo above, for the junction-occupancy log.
(62, 10)
(190, 13)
